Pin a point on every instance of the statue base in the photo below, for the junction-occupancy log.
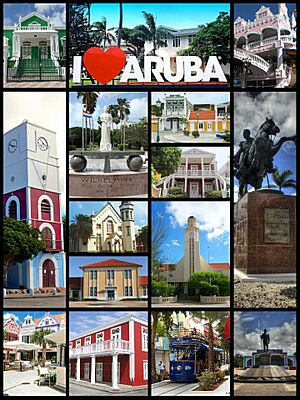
(265, 233)
(96, 184)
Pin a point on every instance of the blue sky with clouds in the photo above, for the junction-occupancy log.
(281, 326)
(21, 315)
(76, 262)
(191, 15)
(213, 220)
(56, 12)
(87, 207)
(248, 10)
(81, 322)
(251, 110)
(138, 106)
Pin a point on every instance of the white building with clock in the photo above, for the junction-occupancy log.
(32, 194)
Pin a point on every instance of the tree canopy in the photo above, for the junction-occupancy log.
(21, 242)
(166, 160)
(212, 39)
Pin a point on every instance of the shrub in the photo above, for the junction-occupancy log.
(120, 147)
(195, 134)
(215, 194)
(207, 380)
(220, 375)
(226, 137)
(176, 192)
(186, 133)
(72, 147)
(208, 290)
(162, 288)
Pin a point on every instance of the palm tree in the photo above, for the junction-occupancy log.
(85, 7)
(123, 110)
(89, 99)
(39, 338)
(152, 33)
(281, 179)
(101, 33)
(80, 229)
(133, 41)
(120, 25)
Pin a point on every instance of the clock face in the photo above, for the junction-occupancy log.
(42, 143)
(12, 145)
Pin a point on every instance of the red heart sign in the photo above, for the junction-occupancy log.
(104, 65)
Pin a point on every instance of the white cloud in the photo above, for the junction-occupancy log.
(56, 12)
(213, 217)
(138, 108)
(250, 112)
(281, 337)
(175, 242)
(7, 316)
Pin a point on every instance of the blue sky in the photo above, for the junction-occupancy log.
(214, 223)
(76, 262)
(281, 326)
(12, 12)
(138, 106)
(250, 111)
(191, 15)
(20, 315)
(81, 322)
(248, 10)
(87, 207)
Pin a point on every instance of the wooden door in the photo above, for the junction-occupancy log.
(48, 274)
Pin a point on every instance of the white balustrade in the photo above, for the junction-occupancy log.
(33, 28)
(101, 347)
(254, 59)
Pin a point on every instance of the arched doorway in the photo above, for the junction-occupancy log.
(48, 273)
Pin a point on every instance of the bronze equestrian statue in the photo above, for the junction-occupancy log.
(254, 159)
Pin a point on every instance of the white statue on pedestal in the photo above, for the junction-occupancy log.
(106, 121)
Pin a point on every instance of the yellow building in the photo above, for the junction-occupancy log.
(113, 280)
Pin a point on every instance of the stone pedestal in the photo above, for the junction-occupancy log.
(108, 185)
(265, 233)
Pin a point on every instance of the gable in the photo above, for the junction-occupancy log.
(106, 211)
(34, 18)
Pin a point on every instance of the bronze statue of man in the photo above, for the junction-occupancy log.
(240, 158)
(265, 337)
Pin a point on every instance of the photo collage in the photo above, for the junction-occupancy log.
(149, 199)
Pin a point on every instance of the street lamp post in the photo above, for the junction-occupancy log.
(158, 114)
(246, 70)
(197, 114)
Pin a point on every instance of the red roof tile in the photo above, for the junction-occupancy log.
(143, 280)
(111, 263)
(202, 114)
(220, 265)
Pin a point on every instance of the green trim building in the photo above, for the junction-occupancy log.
(35, 40)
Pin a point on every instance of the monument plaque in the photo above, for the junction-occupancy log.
(277, 225)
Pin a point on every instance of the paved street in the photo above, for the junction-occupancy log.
(109, 304)
(168, 388)
(178, 137)
(191, 305)
(35, 301)
(16, 383)
(34, 85)
(86, 389)
(264, 389)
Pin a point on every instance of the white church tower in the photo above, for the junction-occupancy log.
(128, 234)
(191, 248)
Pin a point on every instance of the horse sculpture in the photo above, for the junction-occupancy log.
(254, 160)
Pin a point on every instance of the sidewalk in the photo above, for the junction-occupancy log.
(16, 383)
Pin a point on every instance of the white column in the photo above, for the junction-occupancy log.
(93, 370)
(115, 371)
(5, 57)
(203, 194)
(247, 46)
(280, 58)
(78, 369)
(202, 166)
(185, 185)
(186, 165)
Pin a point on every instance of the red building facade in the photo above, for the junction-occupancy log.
(116, 353)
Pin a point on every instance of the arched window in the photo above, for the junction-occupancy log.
(12, 209)
(47, 238)
(46, 210)
(110, 227)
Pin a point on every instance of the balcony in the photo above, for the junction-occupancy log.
(34, 28)
(192, 172)
(53, 245)
(106, 347)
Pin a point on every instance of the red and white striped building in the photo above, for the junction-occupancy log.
(116, 353)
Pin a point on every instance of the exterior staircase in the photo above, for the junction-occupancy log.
(254, 59)
(37, 69)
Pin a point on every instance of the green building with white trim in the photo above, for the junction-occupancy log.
(34, 46)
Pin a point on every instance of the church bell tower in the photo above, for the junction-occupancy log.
(191, 248)
(127, 215)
